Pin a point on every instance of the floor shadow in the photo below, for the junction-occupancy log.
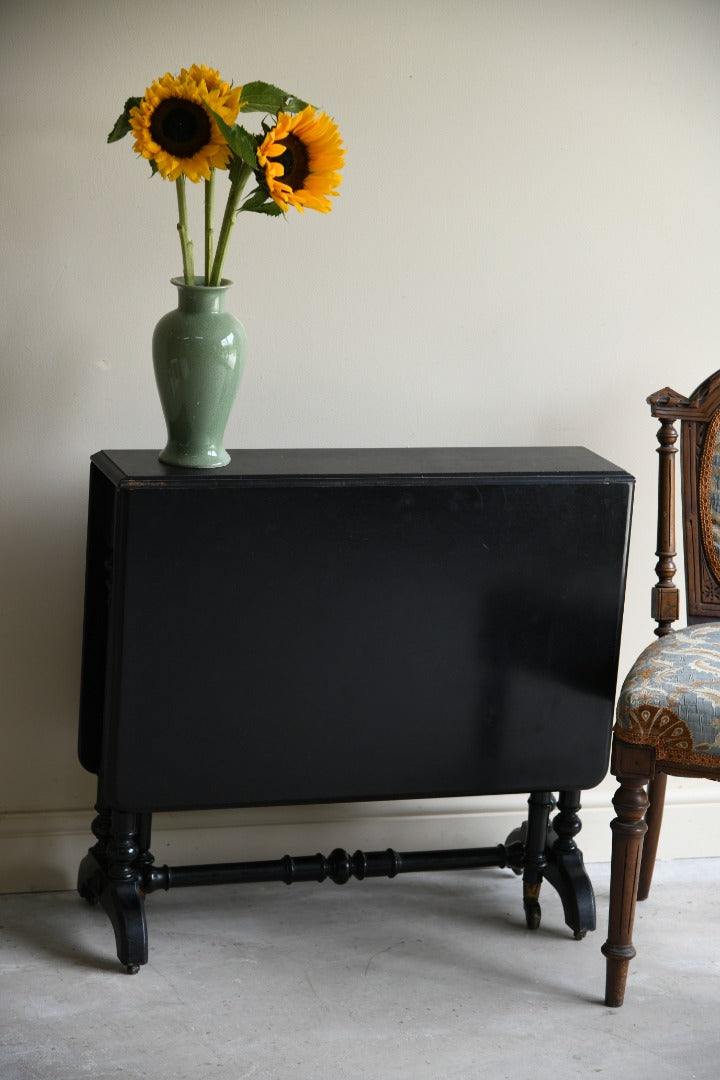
(48, 933)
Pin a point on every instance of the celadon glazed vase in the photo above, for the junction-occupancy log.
(198, 356)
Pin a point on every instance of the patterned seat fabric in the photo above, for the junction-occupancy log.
(671, 697)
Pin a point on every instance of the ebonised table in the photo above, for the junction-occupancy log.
(341, 625)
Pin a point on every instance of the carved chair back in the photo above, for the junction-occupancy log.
(699, 416)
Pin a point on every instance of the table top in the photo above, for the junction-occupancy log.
(333, 625)
(516, 463)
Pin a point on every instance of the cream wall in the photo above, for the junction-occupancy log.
(526, 245)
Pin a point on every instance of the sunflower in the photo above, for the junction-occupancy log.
(300, 157)
(174, 130)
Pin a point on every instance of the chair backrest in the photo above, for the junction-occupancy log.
(699, 416)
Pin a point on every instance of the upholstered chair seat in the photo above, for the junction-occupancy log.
(671, 697)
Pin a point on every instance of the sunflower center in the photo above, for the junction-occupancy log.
(180, 127)
(295, 162)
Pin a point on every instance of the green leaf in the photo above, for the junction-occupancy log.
(257, 199)
(264, 97)
(122, 124)
(259, 202)
(271, 209)
(241, 142)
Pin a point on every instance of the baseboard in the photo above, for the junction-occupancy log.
(40, 851)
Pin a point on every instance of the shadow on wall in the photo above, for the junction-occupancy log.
(42, 584)
(53, 395)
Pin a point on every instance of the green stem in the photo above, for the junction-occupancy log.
(185, 241)
(209, 235)
(233, 201)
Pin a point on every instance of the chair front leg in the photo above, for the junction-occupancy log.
(634, 767)
(654, 816)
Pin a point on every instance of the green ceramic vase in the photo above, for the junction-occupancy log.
(198, 356)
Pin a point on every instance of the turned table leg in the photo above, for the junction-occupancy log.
(92, 867)
(121, 896)
(566, 870)
(540, 804)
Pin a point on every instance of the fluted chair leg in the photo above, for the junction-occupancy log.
(628, 830)
(654, 816)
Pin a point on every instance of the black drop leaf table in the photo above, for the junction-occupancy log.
(307, 626)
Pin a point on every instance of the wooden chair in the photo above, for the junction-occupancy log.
(668, 713)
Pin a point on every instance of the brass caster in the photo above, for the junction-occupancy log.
(532, 916)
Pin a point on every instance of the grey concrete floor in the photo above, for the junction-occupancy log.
(428, 976)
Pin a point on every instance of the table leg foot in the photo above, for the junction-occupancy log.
(566, 871)
(567, 874)
(123, 904)
(110, 875)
